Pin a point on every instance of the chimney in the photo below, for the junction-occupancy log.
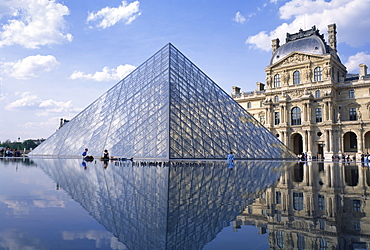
(236, 90)
(332, 31)
(363, 70)
(260, 86)
(275, 45)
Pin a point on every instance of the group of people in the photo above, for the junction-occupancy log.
(105, 156)
(86, 156)
(365, 159)
(8, 152)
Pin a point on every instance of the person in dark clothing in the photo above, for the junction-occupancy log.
(106, 155)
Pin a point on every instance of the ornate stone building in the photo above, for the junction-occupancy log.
(314, 205)
(309, 101)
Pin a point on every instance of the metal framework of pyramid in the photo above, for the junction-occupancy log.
(167, 108)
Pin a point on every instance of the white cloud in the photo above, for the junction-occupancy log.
(351, 16)
(34, 23)
(106, 74)
(28, 101)
(239, 18)
(354, 61)
(107, 17)
(30, 67)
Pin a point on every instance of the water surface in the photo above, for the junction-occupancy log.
(72, 204)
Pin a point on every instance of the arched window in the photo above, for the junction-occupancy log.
(276, 99)
(276, 81)
(296, 77)
(296, 116)
(317, 74)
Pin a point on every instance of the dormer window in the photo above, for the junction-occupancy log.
(276, 81)
(296, 77)
(317, 74)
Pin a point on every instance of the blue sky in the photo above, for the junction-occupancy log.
(59, 56)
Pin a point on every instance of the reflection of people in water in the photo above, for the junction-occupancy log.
(127, 159)
(84, 165)
(230, 160)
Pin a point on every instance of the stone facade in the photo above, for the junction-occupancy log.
(309, 101)
(314, 205)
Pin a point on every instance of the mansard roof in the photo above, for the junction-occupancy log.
(308, 41)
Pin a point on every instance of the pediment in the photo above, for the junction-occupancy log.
(296, 58)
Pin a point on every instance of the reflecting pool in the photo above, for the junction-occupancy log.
(72, 204)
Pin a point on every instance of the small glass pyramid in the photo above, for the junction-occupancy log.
(167, 108)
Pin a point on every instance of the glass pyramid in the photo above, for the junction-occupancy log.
(169, 205)
(167, 108)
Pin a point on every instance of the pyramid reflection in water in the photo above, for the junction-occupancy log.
(168, 109)
(164, 205)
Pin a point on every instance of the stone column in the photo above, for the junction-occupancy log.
(267, 116)
(324, 112)
(305, 141)
(327, 141)
(304, 119)
(360, 140)
(309, 113)
(309, 142)
(331, 139)
(330, 118)
(361, 177)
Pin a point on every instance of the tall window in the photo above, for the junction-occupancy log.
(351, 94)
(322, 224)
(276, 99)
(317, 94)
(321, 202)
(296, 77)
(280, 239)
(317, 74)
(352, 114)
(249, 105)
(300, 242)
(296, 116)
(277, 118)
(298, 201)
(278, 197)
(323, 244)
(276, 80)
(357, 226)
(262, 119)
(318, 115)
(262, 104)
(356, 206)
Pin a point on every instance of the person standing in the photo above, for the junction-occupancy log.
(106, 155)
(230, 160)
(84, 153)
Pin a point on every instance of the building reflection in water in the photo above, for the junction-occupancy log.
(163, 205)
(314, 205)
